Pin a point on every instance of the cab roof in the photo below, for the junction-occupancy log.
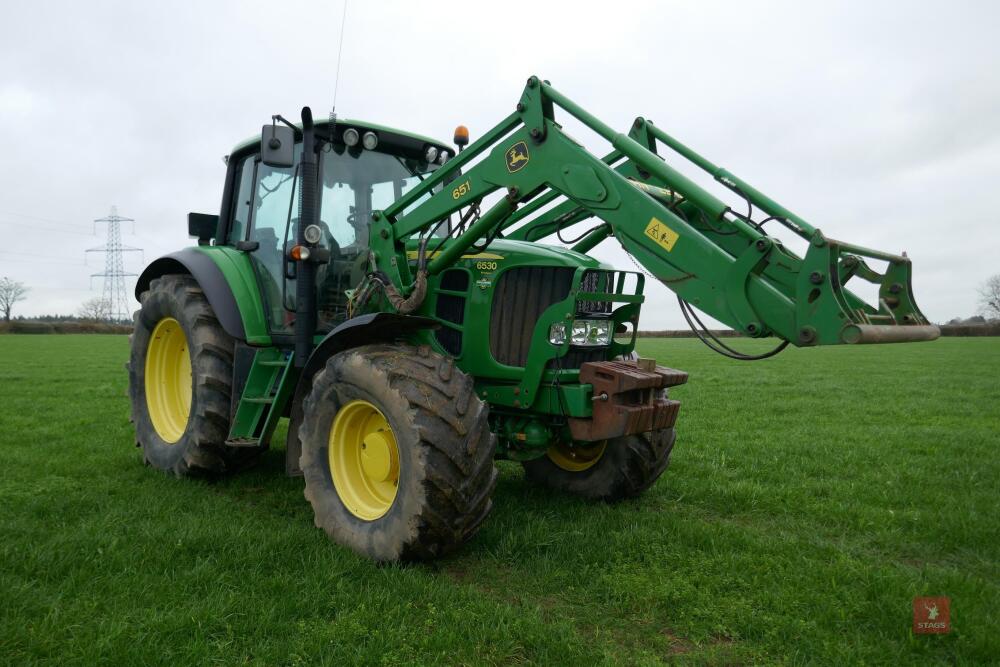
(390, 135)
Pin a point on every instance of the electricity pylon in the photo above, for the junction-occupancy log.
(115, 296)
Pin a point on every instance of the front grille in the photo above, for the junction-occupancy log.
(600, 282)
(521, 296)
(451, 308)
(455, 279)
(578, 356)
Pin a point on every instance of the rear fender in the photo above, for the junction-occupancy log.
(210, 277)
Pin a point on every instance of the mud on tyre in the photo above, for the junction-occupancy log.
(609, 470)
(180, 381)
(397, 453)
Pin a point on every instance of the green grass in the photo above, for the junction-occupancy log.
(810, 498)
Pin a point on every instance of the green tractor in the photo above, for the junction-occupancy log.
(389, 294)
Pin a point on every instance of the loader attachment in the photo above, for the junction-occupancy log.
(824, 305)
(718, 258)
(826, 312)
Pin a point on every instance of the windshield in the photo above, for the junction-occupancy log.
(357, 182)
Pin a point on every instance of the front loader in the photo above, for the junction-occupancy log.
(391, 296)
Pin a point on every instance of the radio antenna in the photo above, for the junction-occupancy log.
(336, 81)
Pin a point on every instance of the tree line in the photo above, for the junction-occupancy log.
(98, 309)
(12, 292)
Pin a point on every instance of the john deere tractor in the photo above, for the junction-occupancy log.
(390, 295)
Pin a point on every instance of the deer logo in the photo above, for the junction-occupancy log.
(931, 615)
(517, 156)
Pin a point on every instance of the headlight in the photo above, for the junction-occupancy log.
(443, 157)
(312, 234)
(600, 333)
(557, 333)
(351, 136)
(369, 141)
(431, 154)
(591, 332)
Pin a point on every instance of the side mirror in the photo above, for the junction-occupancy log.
(277, 146)
(203, 226)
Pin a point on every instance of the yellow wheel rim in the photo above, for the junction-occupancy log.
(576, 459)
(168, 380)
(364, 460)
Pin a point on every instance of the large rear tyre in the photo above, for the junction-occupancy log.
(397, 453)
(180, 381)
(611, 470)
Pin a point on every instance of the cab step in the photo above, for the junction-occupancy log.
(249, 443)
(265, 392)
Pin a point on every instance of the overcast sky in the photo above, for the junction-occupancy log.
(877, 122)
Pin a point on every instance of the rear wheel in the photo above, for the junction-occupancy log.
(180, 381)
(609, 470)
(397, 453)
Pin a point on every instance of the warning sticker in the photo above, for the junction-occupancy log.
(662, 234)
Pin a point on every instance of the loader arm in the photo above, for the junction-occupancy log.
(717, 259)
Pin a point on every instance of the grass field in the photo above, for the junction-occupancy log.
(810, 498)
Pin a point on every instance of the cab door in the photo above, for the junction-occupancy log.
(273, 210)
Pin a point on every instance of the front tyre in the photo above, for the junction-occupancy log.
(180, 381)
(397, 453)
(609, 470)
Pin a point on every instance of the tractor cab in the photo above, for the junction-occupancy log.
(361, 168)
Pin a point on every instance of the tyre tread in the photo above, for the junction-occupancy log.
(453, 435)
(212, 358)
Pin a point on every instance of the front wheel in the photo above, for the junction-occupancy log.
(397, 453)
(609, 470)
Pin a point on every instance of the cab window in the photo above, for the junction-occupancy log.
(275, 207)
(242, 201)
